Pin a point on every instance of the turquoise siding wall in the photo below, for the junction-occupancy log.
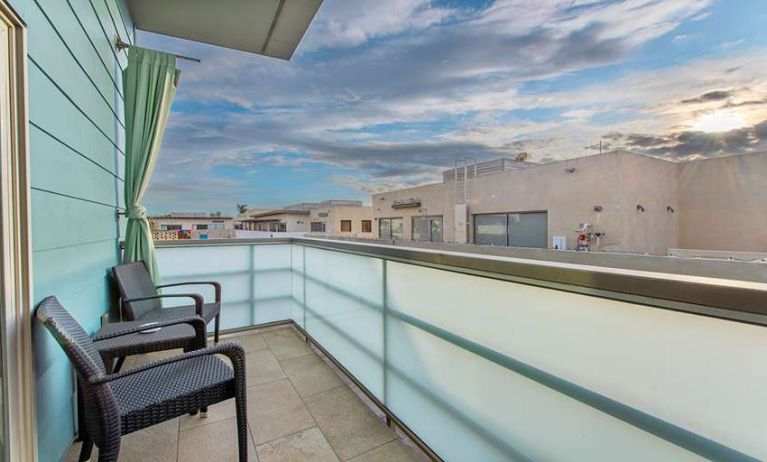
(76, 143)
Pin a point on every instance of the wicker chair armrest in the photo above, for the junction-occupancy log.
(215, 285)
(137, 326)
(198, 302)
(231, 350)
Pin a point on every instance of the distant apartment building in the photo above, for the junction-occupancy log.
(331, 218)
(624, 202)
(343, 219)
(193, 225)
(286, 220)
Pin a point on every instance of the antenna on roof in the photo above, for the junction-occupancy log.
(594, 147)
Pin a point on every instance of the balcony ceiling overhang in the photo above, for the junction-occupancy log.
(266, 27)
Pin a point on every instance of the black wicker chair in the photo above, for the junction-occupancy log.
(142, 302)
(124, 402)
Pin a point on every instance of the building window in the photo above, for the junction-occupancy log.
(200, 226)
(390, 228)
(317, 227)
(170, 227)
(346, 226)
(519, 229)
(367, 226)
(427, 229)
(277, 227)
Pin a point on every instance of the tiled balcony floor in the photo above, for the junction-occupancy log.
(299, 409)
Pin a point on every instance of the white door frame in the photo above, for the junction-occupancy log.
(15, 249)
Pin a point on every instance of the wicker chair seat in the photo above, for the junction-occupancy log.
(160, 393)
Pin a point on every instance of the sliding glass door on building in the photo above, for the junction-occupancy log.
(390, 228)
(517, 229)
(427, 229)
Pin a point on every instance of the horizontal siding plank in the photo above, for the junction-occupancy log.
(92, 181)
(126, 18)
(55, 421)
(60, 222)
(49, 52)
(66, 271)
(108, 26)
(91, 26)
(61, 33)
(51, 111)
(117, 19)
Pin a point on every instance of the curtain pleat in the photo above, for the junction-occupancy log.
(149, 82)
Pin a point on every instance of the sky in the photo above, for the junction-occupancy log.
(382, 95)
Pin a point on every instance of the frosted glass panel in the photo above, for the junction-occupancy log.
(344, 299)
(422, 339)
(272, 283)
(442, 391)
(255, 280)
(297, 283)
(650, 359)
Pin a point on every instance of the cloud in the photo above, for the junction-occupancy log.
(396, 91)
(716, 95)
(344, 24)
(688, 145)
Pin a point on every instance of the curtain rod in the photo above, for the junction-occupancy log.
(122, 45)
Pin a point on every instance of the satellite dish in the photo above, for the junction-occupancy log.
(522, 156)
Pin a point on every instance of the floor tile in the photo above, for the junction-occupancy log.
(282, 331)
(276, 410)
(261, 367)
(396, 451)
(306, 446)
(249, 343)
(221, 411)
(349, 426)
(153, 444)
(215, 442)
(287, 346)
(310, 374)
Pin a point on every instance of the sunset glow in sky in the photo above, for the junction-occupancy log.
(382, 95)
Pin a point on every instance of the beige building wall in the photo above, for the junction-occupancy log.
(332, 216)
(188, 223)
(436, 200)
(294, 223)
(723, 203)
(605, 190)
(653, 185)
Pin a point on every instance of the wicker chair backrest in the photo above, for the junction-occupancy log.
(133, 281)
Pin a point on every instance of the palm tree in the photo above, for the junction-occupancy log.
(242, 208)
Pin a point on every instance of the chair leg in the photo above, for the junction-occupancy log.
(242, 424)
(108, 456)
(215, 333)
(110, 451)
(86, 449)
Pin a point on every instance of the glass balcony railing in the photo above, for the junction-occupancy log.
(488, 358)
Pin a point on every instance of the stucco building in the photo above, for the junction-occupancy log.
(331, 218)
(343, 219)
(632, 202)
(191, 226)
